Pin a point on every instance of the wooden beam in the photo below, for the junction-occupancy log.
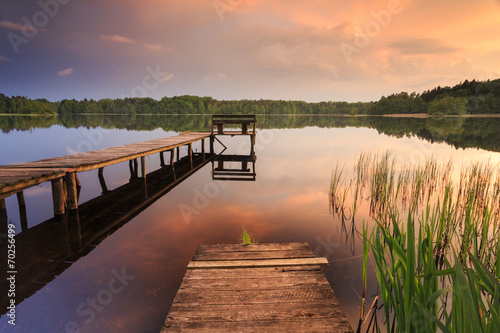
(131, 168)
(136, 168)
(102, 181)
(58, 196)
(203, 149)
(178, 153)
(4, 219)
(143, 174)
(190, 154)
(72, 190)
(22, 210)
(258, 263)
(162, 159)
(172, 156)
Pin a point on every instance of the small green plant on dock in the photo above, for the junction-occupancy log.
(247, 239)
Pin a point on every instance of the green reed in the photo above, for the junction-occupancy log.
(438, 268)
(247, 239)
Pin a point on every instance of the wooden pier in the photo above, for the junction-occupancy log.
(61, 171)
(255, 288)
(47, 249)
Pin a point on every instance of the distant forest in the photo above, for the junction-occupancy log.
(469, 97)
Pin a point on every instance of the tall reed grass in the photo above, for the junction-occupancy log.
(434, 241)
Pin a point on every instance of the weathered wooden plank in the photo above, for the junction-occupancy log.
(252, 273)
(312, 324)
(230, 132)
(249, 255)
(108, 156)
(263, 282)
(252, 247)
(257, 293)
(257, 263)
(246, 312)
(18, 180)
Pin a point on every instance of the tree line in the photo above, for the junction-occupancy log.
(460, 132)
(468, 97)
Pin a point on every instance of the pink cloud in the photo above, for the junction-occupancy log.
(4, 59)
(117, 39)
(65, 72)
(15, 26)
(168, 77)
(153, 47)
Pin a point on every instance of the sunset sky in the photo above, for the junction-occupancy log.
(323, 50)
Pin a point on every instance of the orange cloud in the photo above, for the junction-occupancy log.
(153, 47)
(15, 26)
(116, 39)
(65, 72)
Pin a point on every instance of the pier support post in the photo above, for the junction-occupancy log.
(212, 139)
(78, 186)
(162, 159)
(252, 143)
(178, 153)
(190, 153)
(72, 190)
(203, 149)
(143, 174)
(3, 219)
(133, 165)
(102, 181)
(58, 196)
(172, 156)
(22, 211)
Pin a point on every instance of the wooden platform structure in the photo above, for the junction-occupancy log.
(239, 125)
(220, 170)
(244, 120)
(255, 288)
(61, 171)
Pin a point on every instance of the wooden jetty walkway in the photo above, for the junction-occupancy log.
(255, 288)
(15, 178)
(62, 171)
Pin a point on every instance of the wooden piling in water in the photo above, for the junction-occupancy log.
(58, 196)
(203, 149)
(23, 216)
(72, 191)
(190, 154)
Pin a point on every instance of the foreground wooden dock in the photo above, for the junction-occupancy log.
(255, 288)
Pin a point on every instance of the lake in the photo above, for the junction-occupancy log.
(144, 260)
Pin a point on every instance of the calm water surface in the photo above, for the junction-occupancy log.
(136, 270)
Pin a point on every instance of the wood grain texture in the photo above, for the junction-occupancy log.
(269, 292)
(17, 177)
(257, 263)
